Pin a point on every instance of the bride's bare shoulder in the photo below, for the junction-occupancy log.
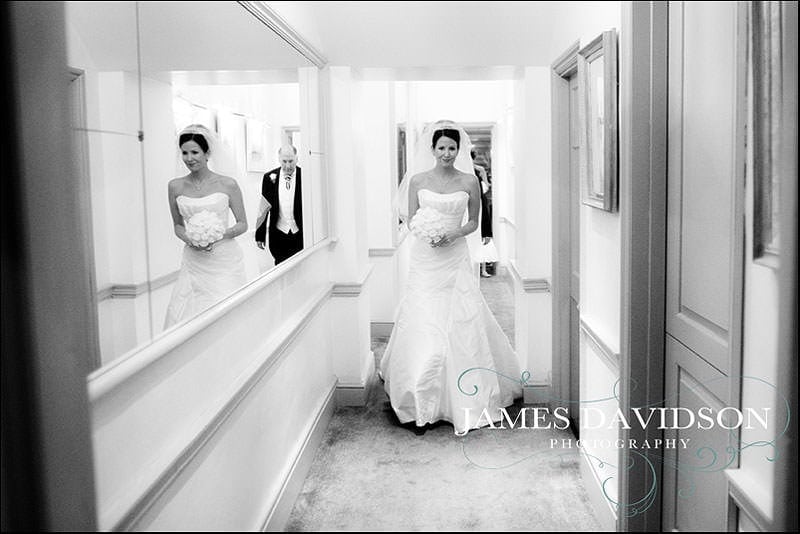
(176, 184)
(419, 179)
(468, 181)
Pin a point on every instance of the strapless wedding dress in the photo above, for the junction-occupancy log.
(205, 278)
(446, 350)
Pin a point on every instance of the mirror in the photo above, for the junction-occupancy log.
(143, 71)
(597, 86)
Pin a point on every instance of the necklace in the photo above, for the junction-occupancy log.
(443, 180)
(198, 184)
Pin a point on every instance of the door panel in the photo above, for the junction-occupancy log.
(698, 494)
(704, 251)
(705, 160)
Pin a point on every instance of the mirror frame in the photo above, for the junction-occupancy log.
(603, 46)
(270, 18)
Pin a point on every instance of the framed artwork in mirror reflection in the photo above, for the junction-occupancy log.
(256, 140)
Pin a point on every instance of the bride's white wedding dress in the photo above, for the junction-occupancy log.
(443, 328)
(205, 278)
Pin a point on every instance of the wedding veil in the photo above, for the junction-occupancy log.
(220, 155)
(423, 160)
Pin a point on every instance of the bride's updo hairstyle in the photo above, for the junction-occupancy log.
(196, 137)
(449, 133)
(200, 135)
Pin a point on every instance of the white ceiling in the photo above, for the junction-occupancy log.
(445, 34)
(176, 36)
(214, 36)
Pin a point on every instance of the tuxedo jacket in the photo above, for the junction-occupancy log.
(485, 212)
(269, 190)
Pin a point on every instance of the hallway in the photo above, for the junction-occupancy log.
(641, 165)
(372, 474)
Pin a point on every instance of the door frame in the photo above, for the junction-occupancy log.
(784, 486)
(564, 67)
(643, 210)
(643, 87)
(48, 468)
(77, 79)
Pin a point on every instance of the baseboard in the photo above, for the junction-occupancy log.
(356, 394)
(603, 509)
(380, 329)
(537, 394)
(290, 490)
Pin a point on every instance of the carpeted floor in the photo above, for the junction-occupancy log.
(370, 473)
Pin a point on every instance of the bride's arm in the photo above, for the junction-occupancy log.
(237, 207)
(413, 199)
(177, 220)
(473, 207)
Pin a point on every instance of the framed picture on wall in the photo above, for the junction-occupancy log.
(256, 142)
(228, 158)
(597, 108)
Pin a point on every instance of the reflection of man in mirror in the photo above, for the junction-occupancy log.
(281, 194)
(489, 252)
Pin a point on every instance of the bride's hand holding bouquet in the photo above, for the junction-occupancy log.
(204, 229)
(428, 225)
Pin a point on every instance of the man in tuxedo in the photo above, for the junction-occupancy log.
(487, 268)
(281, 194)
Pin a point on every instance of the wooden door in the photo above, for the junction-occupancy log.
(706, 158)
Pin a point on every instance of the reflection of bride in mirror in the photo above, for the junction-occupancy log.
(212, 266)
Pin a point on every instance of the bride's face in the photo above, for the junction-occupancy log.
(445, 151)
(193, 156)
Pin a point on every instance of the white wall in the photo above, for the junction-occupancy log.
(375, 132)
(504, 179)
(375, 157)
(353, 361)
(601, 273)
(113, 161)
(531, 223)
(600, 300)
(598, 408)
(533, 158)
(234, 400)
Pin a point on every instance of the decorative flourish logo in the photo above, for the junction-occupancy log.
(724, 425)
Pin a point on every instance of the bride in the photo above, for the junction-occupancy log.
(447, 358)
(212, 266)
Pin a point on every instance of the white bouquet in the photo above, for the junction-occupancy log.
(204, 228)
(428, 225)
